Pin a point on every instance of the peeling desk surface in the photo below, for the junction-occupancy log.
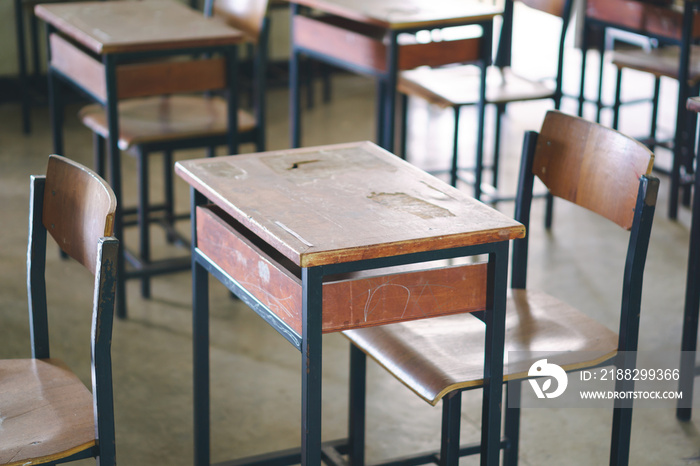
(110, 27)
(402, 14)
(345, 202)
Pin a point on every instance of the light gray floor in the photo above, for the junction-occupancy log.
(255, 374)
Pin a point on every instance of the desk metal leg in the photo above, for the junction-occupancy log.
(294, 90)
(311, 346)
(493, 357)
(200, 345)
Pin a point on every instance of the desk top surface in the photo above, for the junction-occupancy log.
(404, 14)
(342, 203)
(122, 27)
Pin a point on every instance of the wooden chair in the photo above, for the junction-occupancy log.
(676, 58)
(48, 415)
(594, 167)
(458, 86)
(165, 123)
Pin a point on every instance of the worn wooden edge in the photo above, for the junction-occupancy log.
(517, 376)
(693, 104)
(308, 257)
(229, 37)
(313, 258)
(488, 13)
(43, 12)
(78, 65)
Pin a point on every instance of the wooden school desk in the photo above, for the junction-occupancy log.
(282, 226)
(115, 50)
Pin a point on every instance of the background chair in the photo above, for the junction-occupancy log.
(48, 414)
(439, 358)
(674, 31)
(457, 86)
(166, 123)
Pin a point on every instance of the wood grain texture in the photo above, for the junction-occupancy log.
(403, 14)
(46, 412)
(164, 118)
(459, 85)
(364, 45)
(85, 70)
(358, 300)
(170, 77)
(591, 165)
(433, 357)
(120, 27)
(78, 210)
(342, 203)
(662, 61)
(665, 21)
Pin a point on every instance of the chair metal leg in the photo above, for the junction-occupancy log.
(99, 154)
(616, 105)
(655, 108)
(500, 110)
(451, 413)
(403, 137)
(22, 65)
(143, 219)
(169, 194)
(455, 148)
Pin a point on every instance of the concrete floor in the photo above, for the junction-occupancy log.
(255, 373)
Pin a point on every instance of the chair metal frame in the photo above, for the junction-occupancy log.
(102, 312)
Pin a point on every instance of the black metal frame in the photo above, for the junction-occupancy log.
(386, 81)
(684, 136)
(309, 343)
(102, 319)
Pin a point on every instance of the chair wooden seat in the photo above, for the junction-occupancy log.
(459, 85)
(536, 323)
(166, 118)
(662, 61)
(62, 425)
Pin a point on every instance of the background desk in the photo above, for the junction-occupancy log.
(285, 224)
(115, 50)
(362, 36)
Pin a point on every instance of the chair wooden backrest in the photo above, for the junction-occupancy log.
(603, 171)
(245, 15)
(552, 7)
(559, 8)
(77, 207)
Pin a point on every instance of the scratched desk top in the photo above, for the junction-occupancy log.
(345, 202)
(403, 14)
(120, 27)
